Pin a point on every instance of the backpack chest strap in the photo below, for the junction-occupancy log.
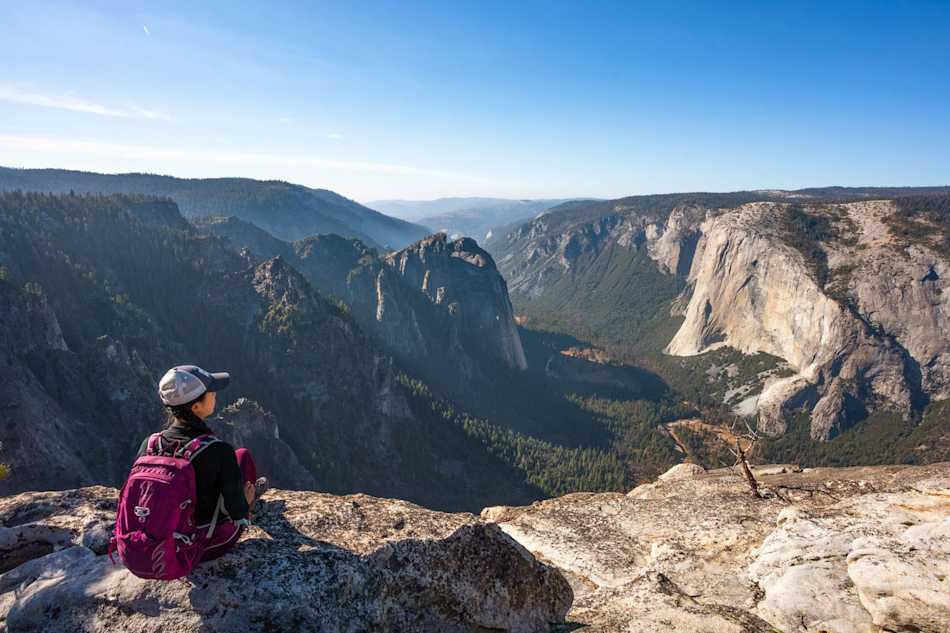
(189, 451)
(195, 446)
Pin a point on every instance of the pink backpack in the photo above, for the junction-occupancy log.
(155, 530)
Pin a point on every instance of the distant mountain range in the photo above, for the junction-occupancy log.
(820, 314)
(469, 217)
(285, 210)
(428, 327)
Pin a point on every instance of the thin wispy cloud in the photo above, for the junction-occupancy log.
(147, 32)
(129, 152)
(14, 94)
(148, 114)
(335, 136)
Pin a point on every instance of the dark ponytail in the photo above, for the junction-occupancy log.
(182, 414)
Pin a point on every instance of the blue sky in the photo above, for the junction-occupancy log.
(514, 99)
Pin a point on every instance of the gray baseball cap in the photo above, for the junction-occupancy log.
(186, 382)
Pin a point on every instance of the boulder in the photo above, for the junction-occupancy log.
(682, 471)
(678, 472)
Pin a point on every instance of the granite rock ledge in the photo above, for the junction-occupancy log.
(311, 562)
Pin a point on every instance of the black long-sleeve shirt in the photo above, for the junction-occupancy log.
(216, 472)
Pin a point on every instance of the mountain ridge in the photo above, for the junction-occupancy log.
(282, 208)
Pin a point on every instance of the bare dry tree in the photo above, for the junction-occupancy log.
(741, 453)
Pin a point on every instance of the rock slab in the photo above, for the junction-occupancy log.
(849, 550)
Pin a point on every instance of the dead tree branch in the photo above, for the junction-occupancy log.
(741, 453)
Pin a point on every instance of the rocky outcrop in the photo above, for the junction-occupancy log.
(311, 562)
(850, 550)
(854, 550)
(247, 424)
(439, 304)
(466, 293)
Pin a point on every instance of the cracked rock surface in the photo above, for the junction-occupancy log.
(839, 550)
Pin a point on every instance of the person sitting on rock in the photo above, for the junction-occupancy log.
(226, 481)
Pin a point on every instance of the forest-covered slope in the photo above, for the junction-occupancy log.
(98, 303)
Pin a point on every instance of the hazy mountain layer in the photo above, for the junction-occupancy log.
(286, 210)
(472, 217)
(413, 210)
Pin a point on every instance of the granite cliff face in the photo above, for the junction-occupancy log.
(873, 334)
(310, 562)
(535, 256)
(851, 294)
(468, 297)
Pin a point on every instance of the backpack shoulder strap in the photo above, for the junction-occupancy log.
(154, 444)
(195, 446)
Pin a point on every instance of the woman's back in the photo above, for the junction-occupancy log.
(217, 473)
